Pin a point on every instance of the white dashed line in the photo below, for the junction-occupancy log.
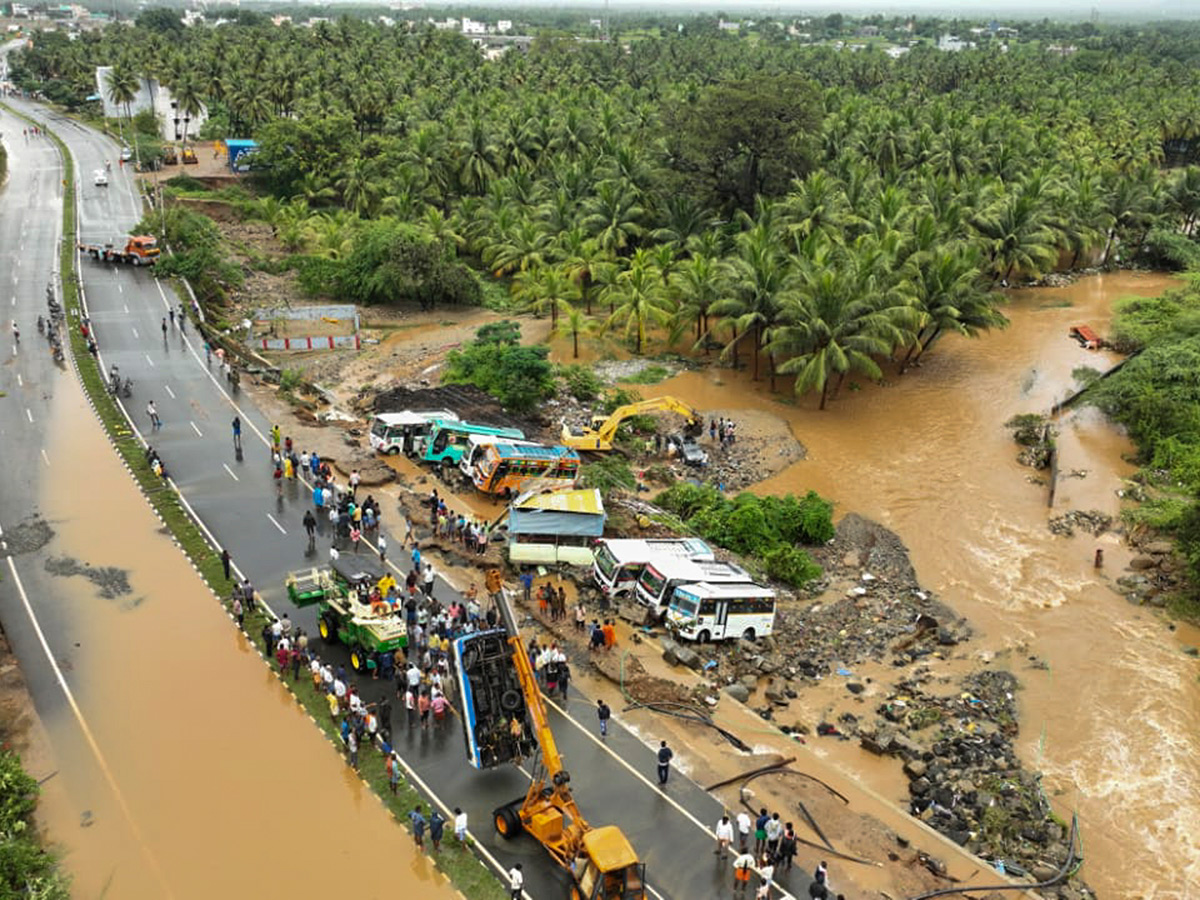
(135, 334)
(170, 393)
(276, 524)
(20, 381)
(148, 359)
(29, 415)
(126, 305)
(45, 457)
(230, 471)
(199, 433)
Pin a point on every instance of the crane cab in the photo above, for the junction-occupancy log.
(607, 868)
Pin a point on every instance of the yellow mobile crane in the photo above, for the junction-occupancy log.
(601, 861)
(604, 428)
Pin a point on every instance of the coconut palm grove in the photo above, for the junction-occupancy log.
(789, 204)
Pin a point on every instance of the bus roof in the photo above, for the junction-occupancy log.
(473, 428)
(705, 591)
(535, 451)
(409, 417)
(637, 550)
(697, 570)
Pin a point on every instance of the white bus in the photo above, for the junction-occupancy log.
(659, 579)
(393, 433)
(618, 563)
(715, 612)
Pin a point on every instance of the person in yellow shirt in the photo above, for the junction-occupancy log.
(288, 471)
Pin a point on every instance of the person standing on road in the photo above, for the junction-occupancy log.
(603, 713)
(164, 327)
(237, 432)
(226, 559)
(275, 437)
(743, 866)
(355, 478)
(152, 412)
(724, 833)
(310, 526)
(744, 826)
(381, 546)
(429, 580)
(664, 762)
(516, 882)
(171, 313)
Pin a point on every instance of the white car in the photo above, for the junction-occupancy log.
(126, 154)
(99, 178)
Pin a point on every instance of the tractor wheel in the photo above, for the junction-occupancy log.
(327, 629)
(507, 822)
(358, 658)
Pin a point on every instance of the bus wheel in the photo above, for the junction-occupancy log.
(393, 451)
(507, 822)
(703, 637)
(748, 634)
(510, 701)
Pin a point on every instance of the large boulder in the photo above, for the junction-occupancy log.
(738, 692)
(688, 657)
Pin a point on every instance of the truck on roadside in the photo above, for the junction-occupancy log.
(341, 592)
(139, 250)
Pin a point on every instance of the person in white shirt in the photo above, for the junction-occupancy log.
(516, 881)
(724, 832)
(743, 866)
(744, 824)
(766, 871)
(460, 825)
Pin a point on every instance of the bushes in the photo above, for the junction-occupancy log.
(763, 528)
(582, 383)
(519, 377)
(608, 474)
(393, 262)
(26, 870)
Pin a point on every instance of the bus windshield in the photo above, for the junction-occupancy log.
(653, 581)
(685, 604)
(605, 561)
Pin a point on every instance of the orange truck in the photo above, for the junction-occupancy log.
(139, 250)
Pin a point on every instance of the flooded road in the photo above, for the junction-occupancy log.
(1115, 722)
(223, 786)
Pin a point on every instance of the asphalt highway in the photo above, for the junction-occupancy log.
(235, 497)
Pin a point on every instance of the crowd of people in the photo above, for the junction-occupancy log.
(471, 533)
(765, 847)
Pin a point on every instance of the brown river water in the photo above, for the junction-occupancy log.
(1114, 724)
(223, 787)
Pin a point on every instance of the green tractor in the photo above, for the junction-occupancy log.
(340, 592)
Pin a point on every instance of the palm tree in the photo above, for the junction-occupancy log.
(758, 278)
(1017, 235)
(638, 300)
(947, 290)
(123, 87)
(573, 322)
(544, 288)
(521, 248)
(835, 322)
(188, 102)
(699, 283)
(313, 190)
(586, 263)
(613, 216)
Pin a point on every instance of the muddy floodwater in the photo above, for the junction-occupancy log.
(1114, 723)
(223, 788)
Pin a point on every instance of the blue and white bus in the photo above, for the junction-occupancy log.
(490, 691)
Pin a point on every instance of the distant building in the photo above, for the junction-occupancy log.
(470, 26)
(869, 31)
(279, 21)
(19, 11)
(193, 17)
(596, 24)
(952, 43)
(504, 26)
(729, 26)
(150, 96)
(448, 25)
(896, 52)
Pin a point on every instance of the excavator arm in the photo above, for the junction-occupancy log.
(601, 438)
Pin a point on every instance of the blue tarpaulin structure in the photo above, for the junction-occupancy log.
(238, 151)
(555, 527)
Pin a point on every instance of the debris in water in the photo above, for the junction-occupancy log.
(29, 535)
(111, 581)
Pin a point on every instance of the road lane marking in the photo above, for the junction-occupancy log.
(148, 359)
(126, 305)
(167, 388)
(135, 333)
(20, 382)
(119, 288)
(199, 433)
(276, 524)
(45, 457)
(230, 471)
(29, 415)
(87, 731)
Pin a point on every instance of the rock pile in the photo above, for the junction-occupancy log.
(1092, 521)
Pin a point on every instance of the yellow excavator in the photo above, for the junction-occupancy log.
(601, 861)
(604, 428)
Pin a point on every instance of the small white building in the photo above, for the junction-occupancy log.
(952, 43)
(448, 25)
(470, 26)
(504, 26)
(729, 26)
(896, 52)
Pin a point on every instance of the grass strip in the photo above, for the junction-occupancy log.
(465, 870)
